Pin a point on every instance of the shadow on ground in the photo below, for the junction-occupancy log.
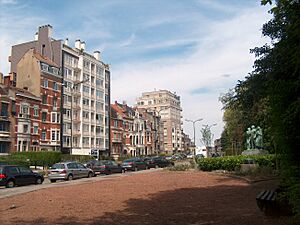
(216, 205)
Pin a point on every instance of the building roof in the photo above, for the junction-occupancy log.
(44, 59)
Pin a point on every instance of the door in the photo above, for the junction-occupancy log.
(13, 171)
(72, 169)
(114, 167)
(27, 175)
(82, 170)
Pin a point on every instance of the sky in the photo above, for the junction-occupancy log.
(197, 49)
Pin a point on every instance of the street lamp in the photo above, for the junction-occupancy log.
(75, 85)
(194, 130)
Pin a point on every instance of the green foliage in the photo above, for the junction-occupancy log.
(78, 158)
(232, 163)
(269, 96)
(33, 158)
(180, 167)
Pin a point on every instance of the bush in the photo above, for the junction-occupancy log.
(231, 163)
(78, 158)
(180, 167)
(32, 158)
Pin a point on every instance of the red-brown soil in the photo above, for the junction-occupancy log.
(157, 198)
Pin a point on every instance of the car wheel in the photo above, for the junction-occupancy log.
(52, 181)
(90, 175)
(123, 171)
(10, 184)
(135, 169)
(38, 180)
(70, 177)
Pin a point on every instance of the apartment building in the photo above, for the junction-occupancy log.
(117, 134)
(166, 105)
(81, 103)
(41, 77)
(86, 101)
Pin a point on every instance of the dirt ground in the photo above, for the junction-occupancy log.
(158, 198)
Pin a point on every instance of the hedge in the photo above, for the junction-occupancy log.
(231, 163)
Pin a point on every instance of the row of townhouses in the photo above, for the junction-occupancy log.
(58, 92)
(143, 131)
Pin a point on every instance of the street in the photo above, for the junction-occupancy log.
(7, 192)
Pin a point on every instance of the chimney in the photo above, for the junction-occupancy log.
(67, 41)
(77, 44)
(97, 55)
(82, 45)
(45, 31)
(36, 36)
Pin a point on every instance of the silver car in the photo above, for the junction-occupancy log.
(68, 171)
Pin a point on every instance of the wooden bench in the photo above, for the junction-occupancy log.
(266, 202)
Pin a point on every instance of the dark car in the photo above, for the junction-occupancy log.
(134, 164)
(105, 167)
(12, 175)
(157, 161)
(162, 161)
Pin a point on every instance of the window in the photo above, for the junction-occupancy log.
(55, 86)
(4, 109)
(85, 114)
(44, 116)
(99, 94)
(25, 109)
(53, 135)
(86, 89)
(85, 102)
(36, 111)
(25, 128)
(85, 127)
(45, 83)
(35, 129)
(44, 99)
(57, 135)
(43, 136)
(54, 101)
(24, 170)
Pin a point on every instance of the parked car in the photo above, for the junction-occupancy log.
(134, 164)
(68, 171)
(12, 175)
(157, 161)
(161, 161)
(105, 167)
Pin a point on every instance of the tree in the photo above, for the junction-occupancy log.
(269, 96)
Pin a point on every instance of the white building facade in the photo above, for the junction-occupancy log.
(86, 101)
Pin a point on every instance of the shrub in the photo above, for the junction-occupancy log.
(180, 167)
(78, 158)
(231, 163)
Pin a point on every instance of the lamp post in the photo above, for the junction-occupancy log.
(194, 130)
(75, 85)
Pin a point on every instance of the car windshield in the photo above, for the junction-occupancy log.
(58, 166)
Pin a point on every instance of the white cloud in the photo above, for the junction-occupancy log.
(8, 2)
(224, 50)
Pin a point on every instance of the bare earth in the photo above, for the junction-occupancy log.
(162, 197)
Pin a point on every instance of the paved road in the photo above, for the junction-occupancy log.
(7, 192)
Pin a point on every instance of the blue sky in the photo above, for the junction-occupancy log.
(196, 48)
